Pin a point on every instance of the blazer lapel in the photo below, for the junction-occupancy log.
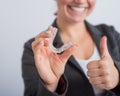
(95, 33)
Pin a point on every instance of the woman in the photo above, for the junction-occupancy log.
(90, 67)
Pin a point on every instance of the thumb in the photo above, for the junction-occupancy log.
(103, 47)
(67, 53)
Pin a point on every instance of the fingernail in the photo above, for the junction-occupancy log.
(47, 32)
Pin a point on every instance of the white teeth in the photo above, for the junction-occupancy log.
(78, 9)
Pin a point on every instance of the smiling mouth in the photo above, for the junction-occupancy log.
(77, 9)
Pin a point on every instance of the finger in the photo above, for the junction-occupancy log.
(98, 72)
(94, 73)
(45, 40)
(67, 53)
(38, 48)
(100, 86)
(44, 35)
(103, 47)
(93, 65)
(103, 85)
(96, 80)
(101, 82)
(38, 45)
(36, 42)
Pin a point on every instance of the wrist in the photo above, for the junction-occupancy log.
(52, 87)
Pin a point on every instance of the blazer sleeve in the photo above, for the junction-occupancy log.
(34, 85)
(116, 35)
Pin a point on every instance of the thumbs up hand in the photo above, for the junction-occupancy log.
(103, 73)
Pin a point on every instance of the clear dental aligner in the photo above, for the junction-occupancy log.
(63, 47)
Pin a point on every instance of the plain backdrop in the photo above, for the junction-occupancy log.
(21, 20)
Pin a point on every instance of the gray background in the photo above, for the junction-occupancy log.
(23, 19)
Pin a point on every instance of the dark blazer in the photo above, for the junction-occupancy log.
(76, 81)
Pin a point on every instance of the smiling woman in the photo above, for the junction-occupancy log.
(89, 67)
(77, 11)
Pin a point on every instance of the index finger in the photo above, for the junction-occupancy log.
(93, 65)
(43, 35)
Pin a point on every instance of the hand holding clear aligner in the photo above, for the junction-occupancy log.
(63, 47)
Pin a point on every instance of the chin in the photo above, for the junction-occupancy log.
(77, 20)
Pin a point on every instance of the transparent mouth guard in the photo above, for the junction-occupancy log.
(62, 48)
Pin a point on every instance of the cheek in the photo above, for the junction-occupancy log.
(91, 6)
(92, 2)
(61, 2)
(64, 2)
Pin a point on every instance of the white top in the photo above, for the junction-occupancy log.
(83, 64)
